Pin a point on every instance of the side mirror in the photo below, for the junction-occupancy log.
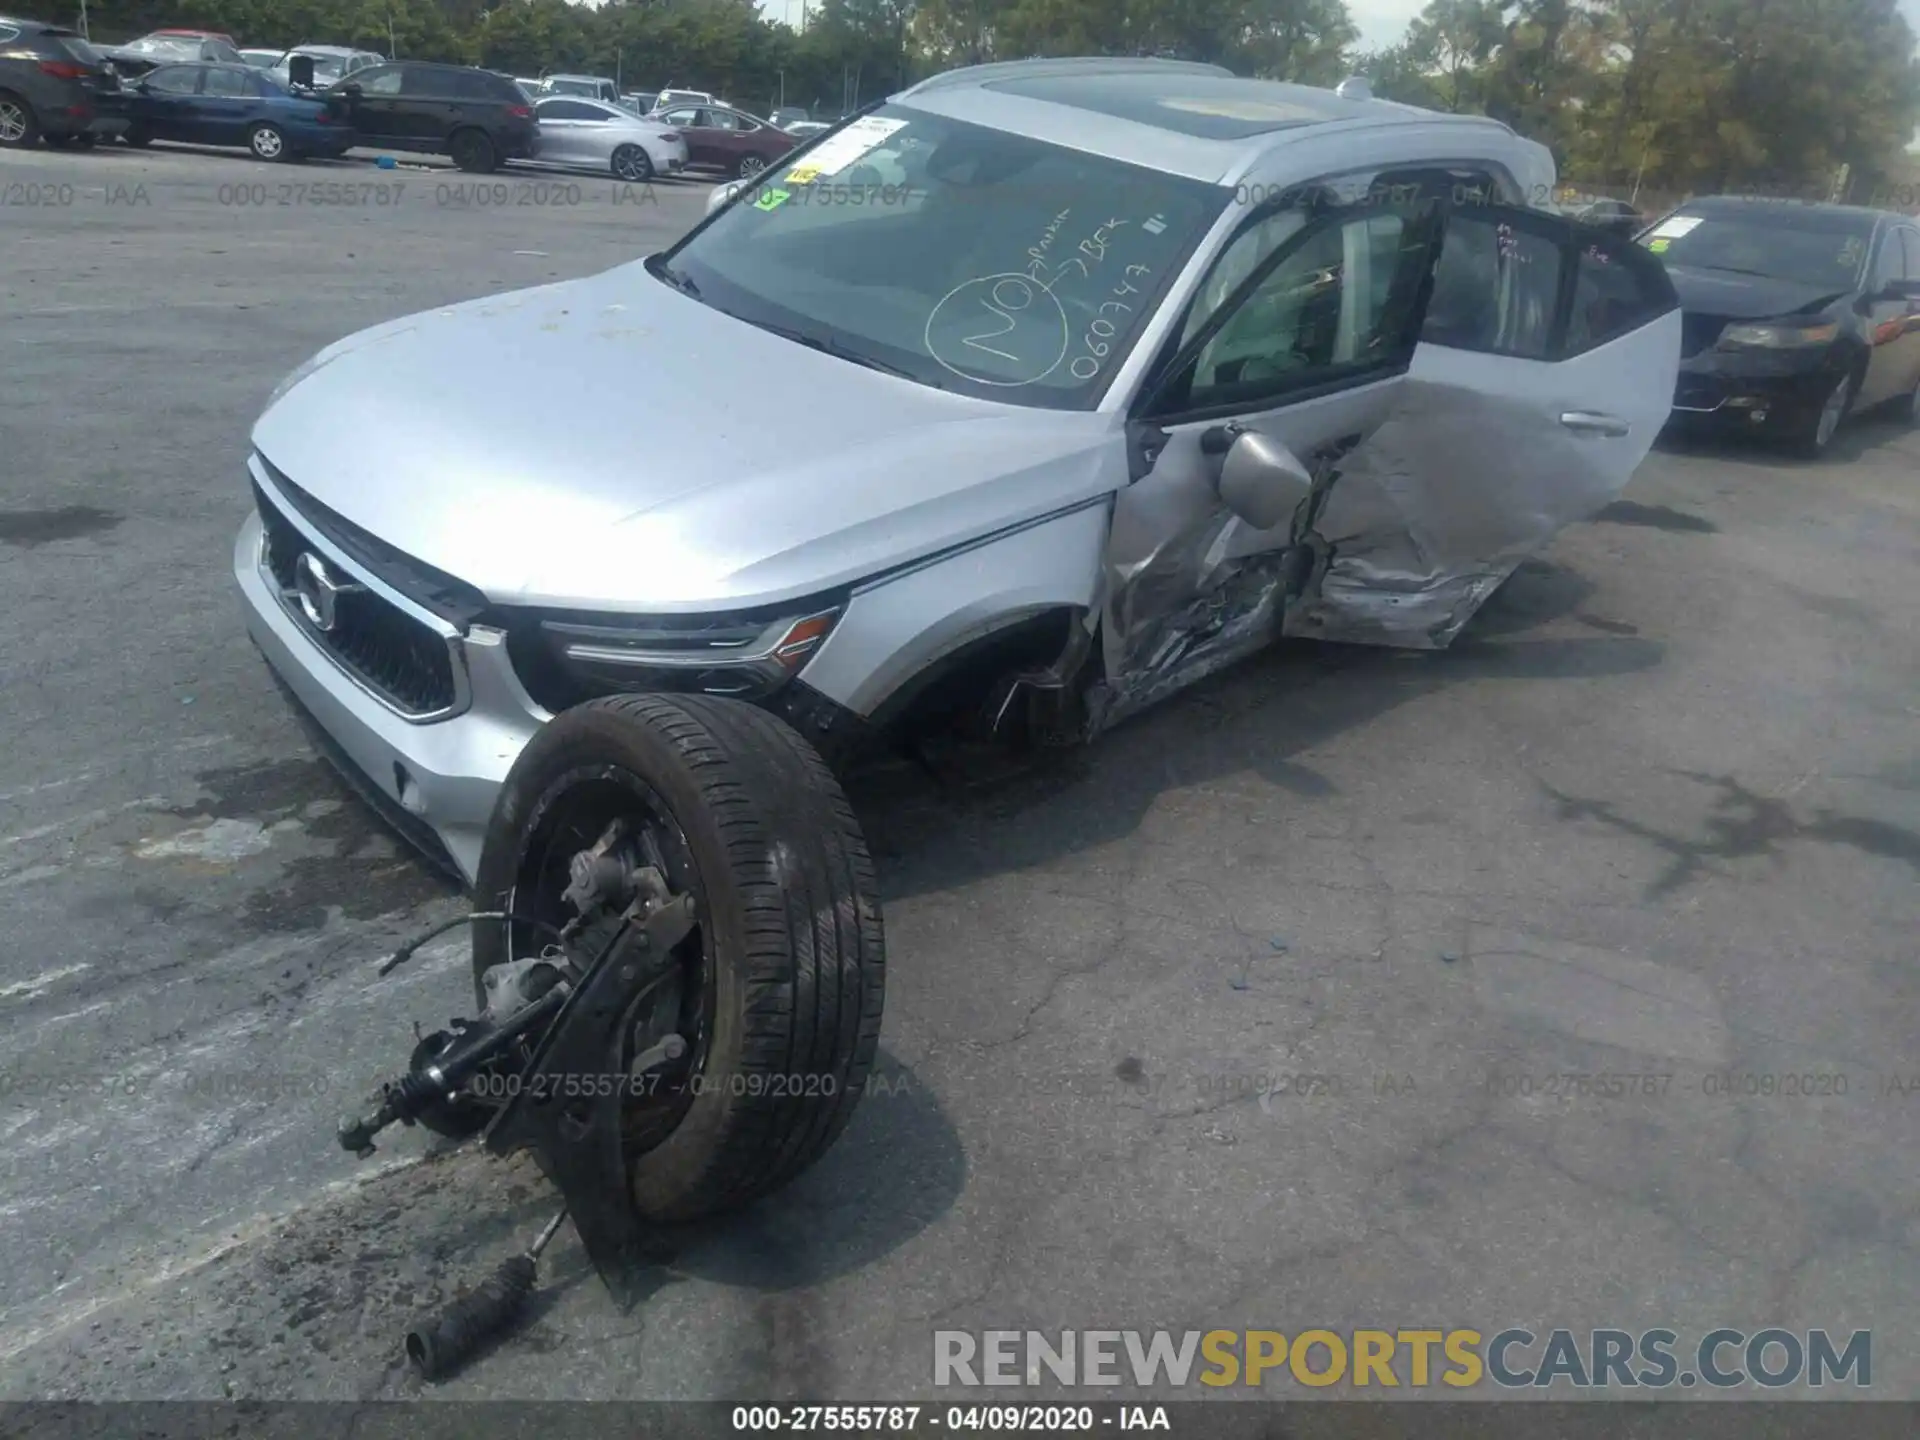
(1261, 480)
(1901, 290)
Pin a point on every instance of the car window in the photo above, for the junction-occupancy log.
(1891, 263)
(175, 79)
(716, 120)
(1804, 244)
(1616, 288)
(8, 33)
(428, 81)
(232, 84)
(1341, 295)
(568, 110)
(380, 80)
(220, 50)
(1911, 240)
(1495, 288)
(681, 117)
(472, 85)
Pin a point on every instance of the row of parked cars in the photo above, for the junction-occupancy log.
(320, 101)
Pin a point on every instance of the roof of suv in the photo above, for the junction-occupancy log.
(1186, 103)
(1784, 205)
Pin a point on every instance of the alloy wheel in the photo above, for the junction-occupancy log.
(13, 122)
(267, 143)
(750, 166)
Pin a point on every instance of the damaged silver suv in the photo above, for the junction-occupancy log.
(1024, 398)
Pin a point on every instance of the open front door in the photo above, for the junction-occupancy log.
(1545, 370)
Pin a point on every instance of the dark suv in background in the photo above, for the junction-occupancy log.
(474, 116)
(53, 84)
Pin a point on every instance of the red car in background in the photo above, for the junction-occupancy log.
(727, 140)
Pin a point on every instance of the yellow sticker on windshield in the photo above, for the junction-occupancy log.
(803, 175)
(773, 200)
(1660, 244)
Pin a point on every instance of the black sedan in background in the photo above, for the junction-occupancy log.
(1794, 315)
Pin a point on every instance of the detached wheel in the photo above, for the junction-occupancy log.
(19, 126)
(633, 164)
(779, 987)
(473, 152)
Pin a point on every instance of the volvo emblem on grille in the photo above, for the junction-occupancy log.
(319, 592)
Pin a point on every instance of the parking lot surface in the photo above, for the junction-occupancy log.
(1338, 992)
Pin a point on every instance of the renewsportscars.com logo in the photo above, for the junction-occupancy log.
(1392, 1359)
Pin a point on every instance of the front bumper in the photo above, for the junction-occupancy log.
(444, 774)
(1754, 390)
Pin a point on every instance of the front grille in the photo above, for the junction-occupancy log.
(390, 652)
(1699, 332)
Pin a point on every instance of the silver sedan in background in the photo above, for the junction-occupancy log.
(577, 133)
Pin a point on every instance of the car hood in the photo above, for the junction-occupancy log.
(609, 443)
(1746, 297)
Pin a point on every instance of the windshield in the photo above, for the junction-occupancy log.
(963, 257)
(165, 47)
(1808, 247)
(326, 68)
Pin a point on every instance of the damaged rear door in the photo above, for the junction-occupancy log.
(1544, 372)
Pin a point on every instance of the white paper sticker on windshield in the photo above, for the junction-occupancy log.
(1676, 227)
(833, 156)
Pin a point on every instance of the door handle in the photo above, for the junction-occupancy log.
(1589, 422)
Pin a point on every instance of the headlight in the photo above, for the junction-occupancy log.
(562, 660)
(1779, 337)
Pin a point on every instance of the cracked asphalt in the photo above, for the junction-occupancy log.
(1279, 1008)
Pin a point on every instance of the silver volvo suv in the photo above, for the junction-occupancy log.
(1018, 401)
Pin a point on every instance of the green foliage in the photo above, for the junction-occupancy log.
(1675, 94)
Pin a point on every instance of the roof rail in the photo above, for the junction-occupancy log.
(1066, 65)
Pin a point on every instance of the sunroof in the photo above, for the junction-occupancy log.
(1204, 106)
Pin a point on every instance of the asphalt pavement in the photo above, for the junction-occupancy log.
(1281, 1007)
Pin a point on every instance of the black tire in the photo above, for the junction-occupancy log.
(1818, 428)
(57, 142)
(791, 934)
(472, 151)
(632, 164)
(269, 143)
(19, 125)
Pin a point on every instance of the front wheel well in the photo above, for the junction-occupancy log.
(952, 689)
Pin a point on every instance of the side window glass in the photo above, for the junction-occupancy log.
(379, 82)
(1495, 289)
(1910, 239)
(1340, 297)
(1615, 290)
(1891, 264)
(175, 80)
(427, 82)
(231, 84)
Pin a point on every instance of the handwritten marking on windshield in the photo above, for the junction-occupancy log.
(1024, 319)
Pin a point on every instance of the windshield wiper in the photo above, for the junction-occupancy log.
(838, 351)
(1737, 270)
(679, 279)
